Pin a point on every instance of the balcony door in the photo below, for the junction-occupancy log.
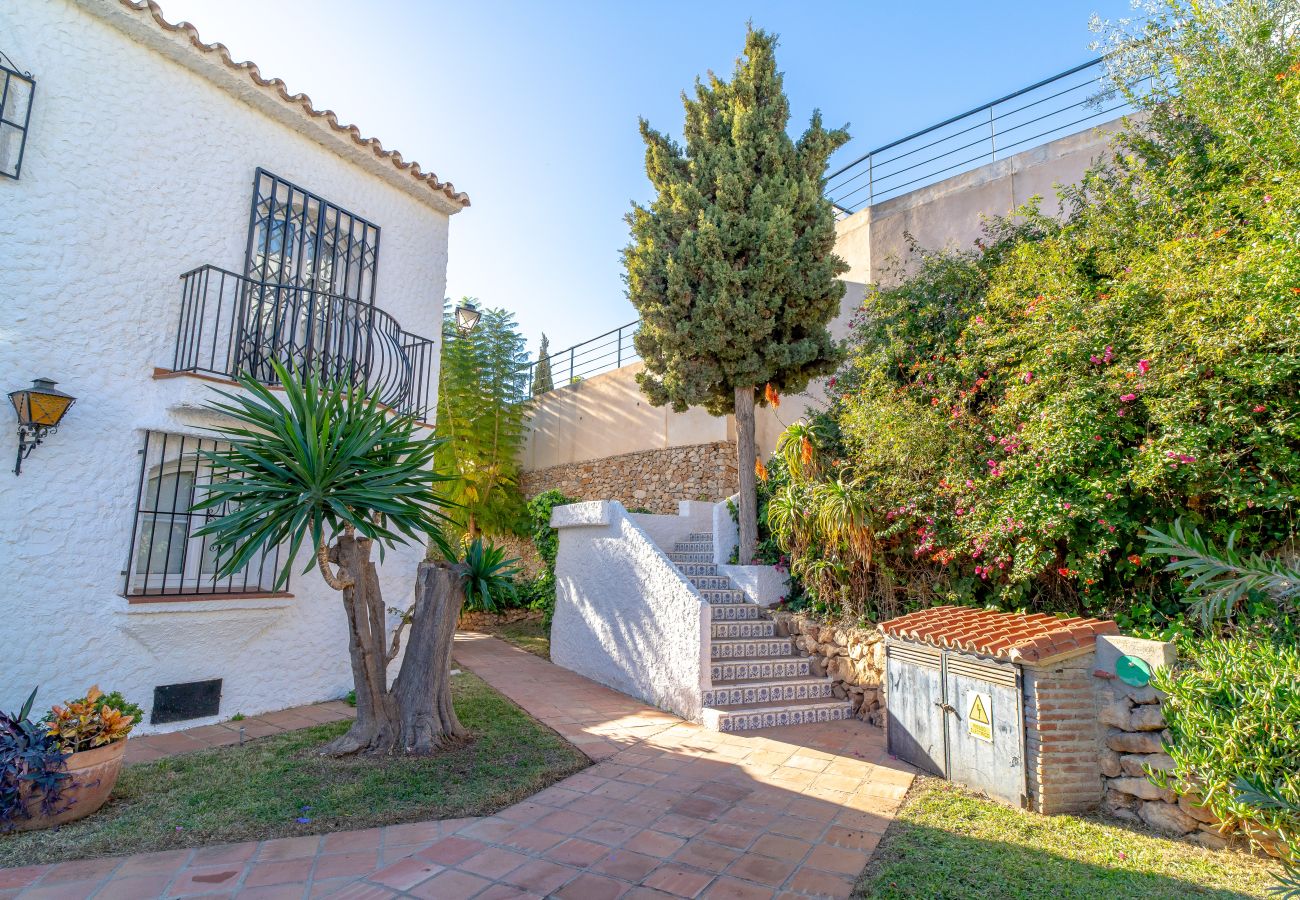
(312, 269)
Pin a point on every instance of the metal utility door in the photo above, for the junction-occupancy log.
(984, 727)
(958, 716)
(914, 677)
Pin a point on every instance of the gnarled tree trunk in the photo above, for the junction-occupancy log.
(414, 715)
(746, 456)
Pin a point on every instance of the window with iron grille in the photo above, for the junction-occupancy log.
(167, 557)
(16, 92)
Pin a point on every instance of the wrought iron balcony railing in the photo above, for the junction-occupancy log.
(232, 326)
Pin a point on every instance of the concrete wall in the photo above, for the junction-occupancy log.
(949, 214)
(607, 415)
(137, 169)
(624, 615)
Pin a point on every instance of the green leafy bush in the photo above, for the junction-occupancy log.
(540, 592)
(1017, 414)
(1233, 710)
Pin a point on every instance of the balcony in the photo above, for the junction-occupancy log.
(231, 326)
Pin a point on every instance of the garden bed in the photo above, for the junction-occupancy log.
(277, 787)
(947, 843)
(521, 627)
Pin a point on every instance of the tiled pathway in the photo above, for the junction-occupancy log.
(669, 809)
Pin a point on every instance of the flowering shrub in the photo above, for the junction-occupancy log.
(1020, 412)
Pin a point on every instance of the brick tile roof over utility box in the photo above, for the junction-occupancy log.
(1018, 637)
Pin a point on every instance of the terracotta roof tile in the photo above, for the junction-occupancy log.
(1031, 637)
(299, 100)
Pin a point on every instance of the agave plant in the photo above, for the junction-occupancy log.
(29, 758)
(844, 516)
(489, 576)
(799, 447)
(323, 462)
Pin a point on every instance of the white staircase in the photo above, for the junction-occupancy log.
(757, 680)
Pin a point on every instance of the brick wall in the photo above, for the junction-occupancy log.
(649, 479)
(1061, 736)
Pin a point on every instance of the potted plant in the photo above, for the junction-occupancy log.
(63, 768)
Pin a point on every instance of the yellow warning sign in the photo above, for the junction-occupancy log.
(979, 716)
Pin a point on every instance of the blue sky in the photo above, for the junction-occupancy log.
(532, 108)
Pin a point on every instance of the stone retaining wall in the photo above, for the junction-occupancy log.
(854, 658)
(650, 479)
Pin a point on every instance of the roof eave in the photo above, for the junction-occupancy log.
(143, 22)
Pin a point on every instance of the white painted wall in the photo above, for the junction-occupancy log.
(138, 169)
(624, 615)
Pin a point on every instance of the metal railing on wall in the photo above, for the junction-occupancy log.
(1056, 107)
(604, 353)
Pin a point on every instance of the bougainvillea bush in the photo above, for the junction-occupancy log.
(1018, 413)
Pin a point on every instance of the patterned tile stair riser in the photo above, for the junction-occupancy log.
(758, 681)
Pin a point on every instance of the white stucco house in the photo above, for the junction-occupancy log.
(177, 220)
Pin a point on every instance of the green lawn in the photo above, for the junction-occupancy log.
(947, 843)
(527, 634)
(260, 790)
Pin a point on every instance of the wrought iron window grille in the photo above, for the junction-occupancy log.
(167, 557)
(17, 90)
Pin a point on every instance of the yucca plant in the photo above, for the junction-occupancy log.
(322, 464)
(489, 576)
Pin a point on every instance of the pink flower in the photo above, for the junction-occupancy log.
(1184, 458)
(1096, 437)
(1066, 505)
(1128, 398)
(1268, 198)
(1144, 366)
(1260, 408)
(1109, 354)
(1121, 412)
(1095, 359)
(1028, 377)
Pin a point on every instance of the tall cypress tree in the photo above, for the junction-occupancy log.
(542, 379)
(732, 265)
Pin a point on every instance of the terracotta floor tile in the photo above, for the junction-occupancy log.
(627, 865)
(845, 860)
(682, 826)
(289, 848)
(64, 890)
(80, 870)
(732, 835)
(334, 865)
(282, 871)
(350, 841)
(854, 838)
(540, 876)
(576, 852)
(654, 843)
(134, 887)
(490, 831)
(794, 826)
(821, 884)
(609, 832)
(21, 876)
(507, 892)
(451, 850)
(781, 847)
(450, 885)
(411, 833)
(592, 887)
(525, 813)
(726, 888)
(706, 855)
(224, 854)
(531, 840)
(205, 880)
(562, 821)
(763, 869)
(272, 892)
(165, 863)
(678, 880)
(407, 873)
(493, 862)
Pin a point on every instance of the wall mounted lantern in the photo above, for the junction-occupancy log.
(16, 92)
(466, 318)
(40, 408)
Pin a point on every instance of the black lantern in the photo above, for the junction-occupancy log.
(466, 318)
(40, 409)
(16, 92)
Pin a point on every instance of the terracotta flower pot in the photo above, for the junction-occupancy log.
(93, 774)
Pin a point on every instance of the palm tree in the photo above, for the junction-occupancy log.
(321, 461)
